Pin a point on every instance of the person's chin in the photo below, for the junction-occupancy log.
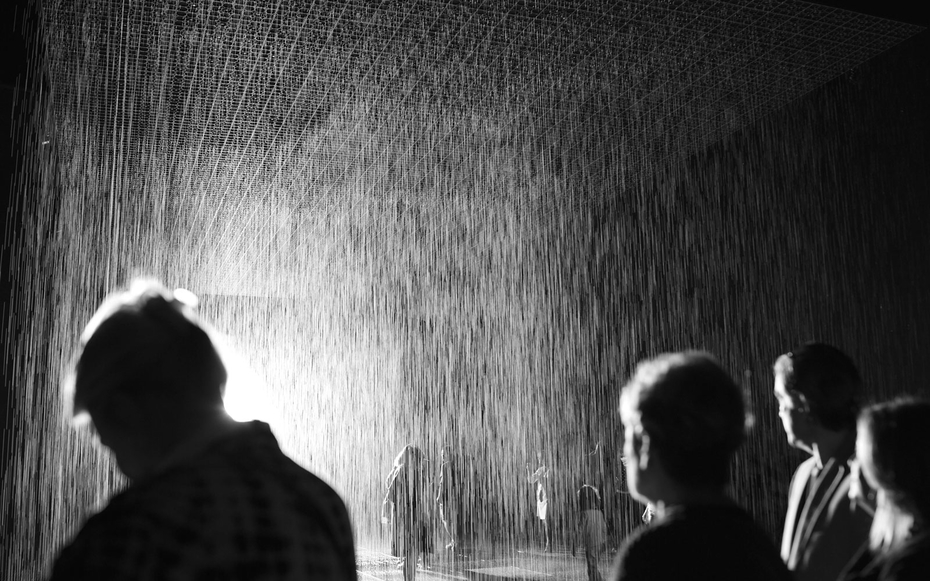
(799, 445)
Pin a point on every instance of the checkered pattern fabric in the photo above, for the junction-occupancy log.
(240, 510)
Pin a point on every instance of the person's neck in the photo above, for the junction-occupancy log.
(678, 496)
(830, 444)
(193, 433)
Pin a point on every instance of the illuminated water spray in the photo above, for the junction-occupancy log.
(442, 227)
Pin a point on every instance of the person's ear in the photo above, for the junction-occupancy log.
(642, 449)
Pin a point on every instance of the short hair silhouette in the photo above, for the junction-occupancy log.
(148, 341)
(693, 412)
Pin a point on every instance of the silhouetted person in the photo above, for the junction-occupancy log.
(893, 454)
(683, 420)
(210, 498)
(599, 473)
(591, 529)
(449, 495)
(407, 507)
(817, 387)
(540, 477)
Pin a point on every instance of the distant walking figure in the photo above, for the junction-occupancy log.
(407, 507)
(541, 478)
(449, 495)
(592, 529)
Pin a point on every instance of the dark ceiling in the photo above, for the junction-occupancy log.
(672, 77)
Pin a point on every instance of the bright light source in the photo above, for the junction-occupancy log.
(246, 396)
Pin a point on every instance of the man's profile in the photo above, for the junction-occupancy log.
(817, 387)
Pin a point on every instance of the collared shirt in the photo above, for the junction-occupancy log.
(823, 530)
(240, 509)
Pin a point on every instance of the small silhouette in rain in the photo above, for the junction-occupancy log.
(407, 509)
(540, 477)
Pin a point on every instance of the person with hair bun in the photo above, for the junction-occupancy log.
(893, 454)
(210, 498)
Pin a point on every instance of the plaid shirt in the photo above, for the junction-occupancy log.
(240, 510)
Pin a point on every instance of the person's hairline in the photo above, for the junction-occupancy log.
(669, 362)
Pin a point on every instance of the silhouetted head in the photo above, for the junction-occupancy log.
(817, 386)
(684, 410)
(145, 365)
(446, 454)
(410, 457)
(588, 498)
(893, 453)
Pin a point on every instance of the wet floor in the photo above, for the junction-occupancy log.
(484, 565)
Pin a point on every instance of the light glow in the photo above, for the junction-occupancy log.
(246, 397)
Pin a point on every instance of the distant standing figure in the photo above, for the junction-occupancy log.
(818, 387)
(541, 478)
(448, 497)
(599, 473)
(210, 498)
(407, 507)
(893, 453)
(684, 419)
(592, 529)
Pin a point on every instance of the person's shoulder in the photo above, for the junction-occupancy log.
(107, 544)
(136, 506)
(669, 532)
(645, 554)
(719, 543)
(735, 521)
(247, 470)
(256, 449)
(749, 551)
(307, 487)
